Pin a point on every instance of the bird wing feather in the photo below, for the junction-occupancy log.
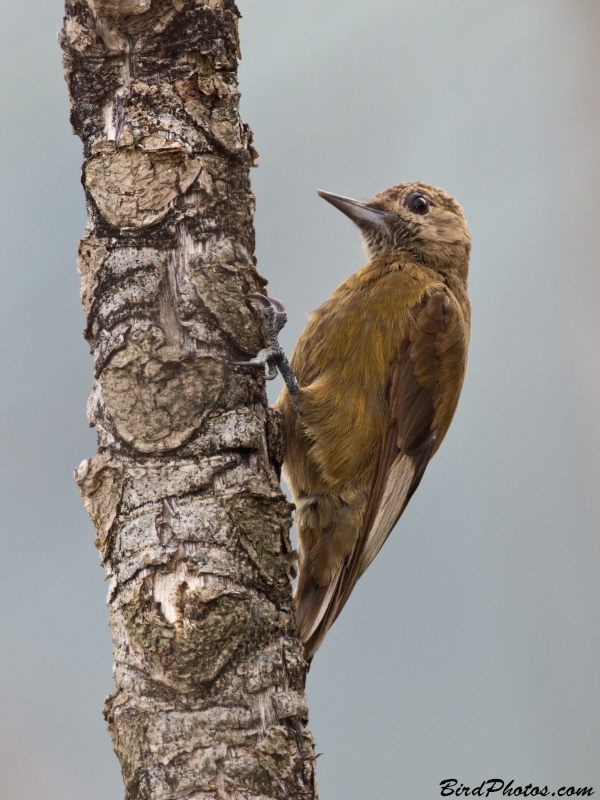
(415, 393)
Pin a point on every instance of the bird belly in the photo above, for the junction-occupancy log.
(344, 425)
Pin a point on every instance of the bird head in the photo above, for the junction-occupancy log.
(414, 218)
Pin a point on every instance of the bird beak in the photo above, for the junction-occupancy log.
(359, 213)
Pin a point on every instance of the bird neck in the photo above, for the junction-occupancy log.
(398, 261)
(454, 275)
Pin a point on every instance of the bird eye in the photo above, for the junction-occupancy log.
(416, 203)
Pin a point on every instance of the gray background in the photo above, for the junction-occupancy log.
(470, 649)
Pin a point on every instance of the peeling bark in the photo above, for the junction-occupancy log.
(192, 526)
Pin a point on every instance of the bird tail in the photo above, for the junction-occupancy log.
(315, 610)
(312, 602)
(318, 605)
(328, 526)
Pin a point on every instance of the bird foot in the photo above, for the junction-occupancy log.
(272, 356)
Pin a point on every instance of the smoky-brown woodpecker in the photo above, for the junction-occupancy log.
(380, 366)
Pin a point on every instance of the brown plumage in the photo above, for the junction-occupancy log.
(380, 367)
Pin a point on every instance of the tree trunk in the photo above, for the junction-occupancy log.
(192, 526)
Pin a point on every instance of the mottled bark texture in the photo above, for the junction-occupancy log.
(191, 524)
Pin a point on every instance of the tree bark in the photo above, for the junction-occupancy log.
(192, 526)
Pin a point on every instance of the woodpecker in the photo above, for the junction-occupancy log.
(379, 370)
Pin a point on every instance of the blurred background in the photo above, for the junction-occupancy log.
(471, 647)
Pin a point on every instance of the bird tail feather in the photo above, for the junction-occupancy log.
(317, 607)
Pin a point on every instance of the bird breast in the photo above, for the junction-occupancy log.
(342, 363)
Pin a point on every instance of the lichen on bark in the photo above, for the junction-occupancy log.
(192, 526)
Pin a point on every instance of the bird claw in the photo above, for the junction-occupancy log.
(272, 356)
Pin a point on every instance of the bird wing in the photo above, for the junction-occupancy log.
(423, 387)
